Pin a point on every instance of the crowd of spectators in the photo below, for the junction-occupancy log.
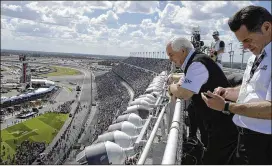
(60, 150)
(28, 151)
(65, 107)
(52, 96)
(25, 154)
(137, 78)
(112, 100)
(153, 64)
(132, 160)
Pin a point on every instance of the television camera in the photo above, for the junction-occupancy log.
(196, 40)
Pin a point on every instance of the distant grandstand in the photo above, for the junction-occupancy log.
(14, 100)
(26, 115)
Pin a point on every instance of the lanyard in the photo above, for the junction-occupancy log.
(255, 65)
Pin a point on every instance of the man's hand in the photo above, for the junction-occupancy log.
(173, 88)
(169, 91)
(180, 81)
(169, 79)
(228, 93)
(179, 92)
(174, 78)
(221, 92)
(171, 96)
(213, 101)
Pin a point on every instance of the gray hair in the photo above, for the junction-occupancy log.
(179, 43)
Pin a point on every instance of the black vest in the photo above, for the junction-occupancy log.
(216, 78)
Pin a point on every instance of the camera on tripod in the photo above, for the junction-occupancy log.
(195, 38)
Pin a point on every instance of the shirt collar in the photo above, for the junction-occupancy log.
(267, 49)
(187, 59)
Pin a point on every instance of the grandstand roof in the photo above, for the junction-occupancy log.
(38, 91)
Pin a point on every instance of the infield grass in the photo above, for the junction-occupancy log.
(39, 129)
(61, 71)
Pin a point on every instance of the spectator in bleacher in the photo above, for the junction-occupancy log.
(251, 104)
(202, 74)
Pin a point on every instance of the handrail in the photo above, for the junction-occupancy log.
(141, 135)
(170, 152)
(160, 98)
(144, 154)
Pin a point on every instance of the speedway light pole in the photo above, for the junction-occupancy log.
(243, 53)
(231, 52)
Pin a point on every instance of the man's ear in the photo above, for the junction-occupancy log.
(266, 26)
(182, 50)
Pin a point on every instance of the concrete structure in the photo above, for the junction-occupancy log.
(42, 82)
(26, 97)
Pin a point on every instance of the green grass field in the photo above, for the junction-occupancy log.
(39, 129)
(60, 71)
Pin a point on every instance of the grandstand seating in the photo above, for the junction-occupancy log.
(156, 65)
(118, 143)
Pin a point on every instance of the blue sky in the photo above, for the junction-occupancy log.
(114, 27)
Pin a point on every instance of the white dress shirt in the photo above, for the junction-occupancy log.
(258, 89)
(197, 75)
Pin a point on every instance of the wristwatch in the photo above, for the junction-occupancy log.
(226, 108)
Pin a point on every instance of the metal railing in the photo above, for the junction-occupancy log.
(148, 145)
(170, 151)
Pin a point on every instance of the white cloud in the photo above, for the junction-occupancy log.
(11, 7)
(95, 4)
(137, 34)
(109, 18)
(98, 27)
(144, 7)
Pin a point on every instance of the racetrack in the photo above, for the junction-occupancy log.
(77, 123)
